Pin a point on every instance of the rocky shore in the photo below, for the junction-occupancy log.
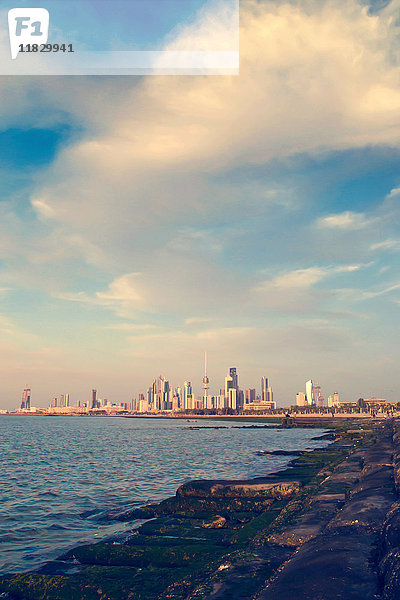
(327, 527)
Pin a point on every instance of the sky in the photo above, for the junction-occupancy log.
(145, 220)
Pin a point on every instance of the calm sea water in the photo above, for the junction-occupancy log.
(63, 480)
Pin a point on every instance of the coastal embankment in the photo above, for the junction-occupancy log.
(327, 527)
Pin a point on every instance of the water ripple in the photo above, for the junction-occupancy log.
(65, 480)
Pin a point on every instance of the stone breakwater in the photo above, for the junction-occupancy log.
(327, 527)
(348, 542)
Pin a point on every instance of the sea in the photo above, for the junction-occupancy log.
(65, 480)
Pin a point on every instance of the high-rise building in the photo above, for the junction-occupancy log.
(162, 394)
(310, 392)
(228, 385)
(264, 389)
(206, 382)
(26, 399)
(235, 377)
(94, 399)
(336, 401)
(318, 399)
(187, 393)
(232, 398)
(330, 402)
(301, 399)
(66, 399)
(250, 396)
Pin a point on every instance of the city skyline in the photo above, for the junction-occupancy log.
(161, 395)
(263, 393)
(142, 220)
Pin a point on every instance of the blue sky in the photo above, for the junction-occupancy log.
(116, 24)
(145, 220)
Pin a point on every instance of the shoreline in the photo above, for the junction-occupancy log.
(123, 514)
(264, 416)
(190, 518)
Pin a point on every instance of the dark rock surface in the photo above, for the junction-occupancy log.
(338, 554)
(256, 488)
(281, 452)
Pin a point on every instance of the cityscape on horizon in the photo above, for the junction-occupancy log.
(162, 397)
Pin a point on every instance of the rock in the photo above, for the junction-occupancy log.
(325, 436)
(280, 452)
(216, 489)
(391, 528)
(328, 567)
(216, 523)
(390, 575)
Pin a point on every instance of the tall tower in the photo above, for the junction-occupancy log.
(264, 389)
(310, 392)
(94, 399)
(234, 375)
(206, 381)
(26, 398)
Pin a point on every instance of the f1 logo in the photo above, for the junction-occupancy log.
(26, 25)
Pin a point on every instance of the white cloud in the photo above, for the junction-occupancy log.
(125, 295)
(346, 220)
(304, 278)
(137, 192)
(43, 208)
(298, 68)
(387, 290)
(386, 245)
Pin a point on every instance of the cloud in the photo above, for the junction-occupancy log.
(347, 220)
(198, 321)
(387, 290)
(125, 295)
(386, 245)
(152, 196)
(298, 68)
(304, 278)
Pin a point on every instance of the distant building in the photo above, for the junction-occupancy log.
(250, 396)
(310, 392)
(187, 395)
(206, 383)
(228, 385)
(235, 379)
(26, 399)
(301, 399)
(232, 398)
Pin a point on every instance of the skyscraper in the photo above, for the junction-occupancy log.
(336, 401)
(264, 389)
(94, 399)
(26, 399)
(232, 398)
(187, 395)
(310, 392)
(250, 396)
(235, 378)
(228, 385)
(206, 382)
